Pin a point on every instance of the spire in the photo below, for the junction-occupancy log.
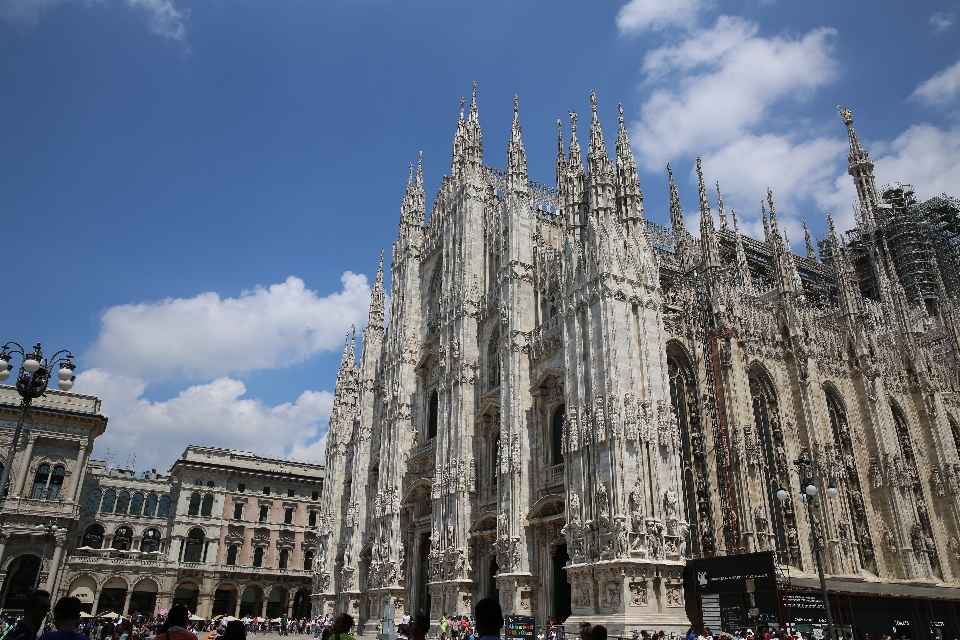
(766, 225)
(599, 168)
(473, 105)
(629, 196)
(708, 236)
(576, 160)
(420, 170)
(516, 156)
(561, 158)
(811, 253)
(860, 168)
(743, 267)
(413, 208)
(676, 211)
(774, 227)
(377, 299)
(838, 260)
(723, 214)
(468, 142)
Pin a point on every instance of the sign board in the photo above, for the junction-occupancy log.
(805, 608)
(523, 627)
(745, 573)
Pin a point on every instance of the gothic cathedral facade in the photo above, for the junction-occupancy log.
(568, 401)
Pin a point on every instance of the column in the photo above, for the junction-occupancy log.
(55, 565)
(78, 473)
(24, 467)
(96, 602)
(3, 545)
(126, 601)
(236, 612)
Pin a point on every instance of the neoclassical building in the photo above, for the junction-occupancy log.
(44, 488)
(225, 532)
(569, 400)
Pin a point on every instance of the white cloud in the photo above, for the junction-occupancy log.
(742, 76)
(942, 20)
(213, 414)
(208, 336)
(942, 88)
(926, 157)
(642, 15)
(165, 18)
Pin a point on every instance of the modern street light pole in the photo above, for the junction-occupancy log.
(32, 383)
(49, 533)
(807, 495)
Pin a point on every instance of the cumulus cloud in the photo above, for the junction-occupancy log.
(207, 336)
(942, 20)
(942, 88)
(643, 15)
(165, 18)
(213, 414)
(925, 156)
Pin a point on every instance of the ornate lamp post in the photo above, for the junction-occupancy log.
(49, 533)
(32, 380)
(808, 495)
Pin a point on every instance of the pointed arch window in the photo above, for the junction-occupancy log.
(433, 409)
(493, 361)
(682, 397)
(40, 479)
(768, 436)
(556, 433)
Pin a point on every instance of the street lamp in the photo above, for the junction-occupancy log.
(808, 495)
(49, 533)
(35, 371)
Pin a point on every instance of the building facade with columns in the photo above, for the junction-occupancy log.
(45, 487)
(225, 532)
(570, 400)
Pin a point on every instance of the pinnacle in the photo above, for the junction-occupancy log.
(419, 170)
(723, 213)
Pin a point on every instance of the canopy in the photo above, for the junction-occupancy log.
(108, 614)
(196, 618)
(84, 614)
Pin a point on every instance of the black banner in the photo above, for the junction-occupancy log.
(746, 573)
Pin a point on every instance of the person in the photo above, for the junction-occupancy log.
(421, 624)
(489, 617)
(406, 618)
(66, 618)
(175, 626)
(444, 624)
(35, 609)
(403, 631)
(585, 631)
(342, 625)
(599, 632)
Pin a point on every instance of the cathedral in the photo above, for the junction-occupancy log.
(568, 401)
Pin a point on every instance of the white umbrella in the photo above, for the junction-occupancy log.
(84, 614)
(109, 614)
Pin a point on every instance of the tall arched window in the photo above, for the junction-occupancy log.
(40, 479)
(93, 500)
(123, 502)
(136, 504)
(194, 508)
(122, 538)
(207, 508)
(556, 433)
(93, 536)
(150, 541)
(284, 557)
(769, 436)
(432, 414)
(854, 495)
(56, 482)
(307, 560)
(495, 460)
(150, 505)
(232, 555)
(493, 360)
(258, 557)
(194, 545)
(683, 398)
(163, 508)
(109, 499)
(908, 465)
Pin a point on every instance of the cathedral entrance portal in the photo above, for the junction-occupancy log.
(562, 602)
(423, 574)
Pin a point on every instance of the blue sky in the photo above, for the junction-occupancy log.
(194, 193)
